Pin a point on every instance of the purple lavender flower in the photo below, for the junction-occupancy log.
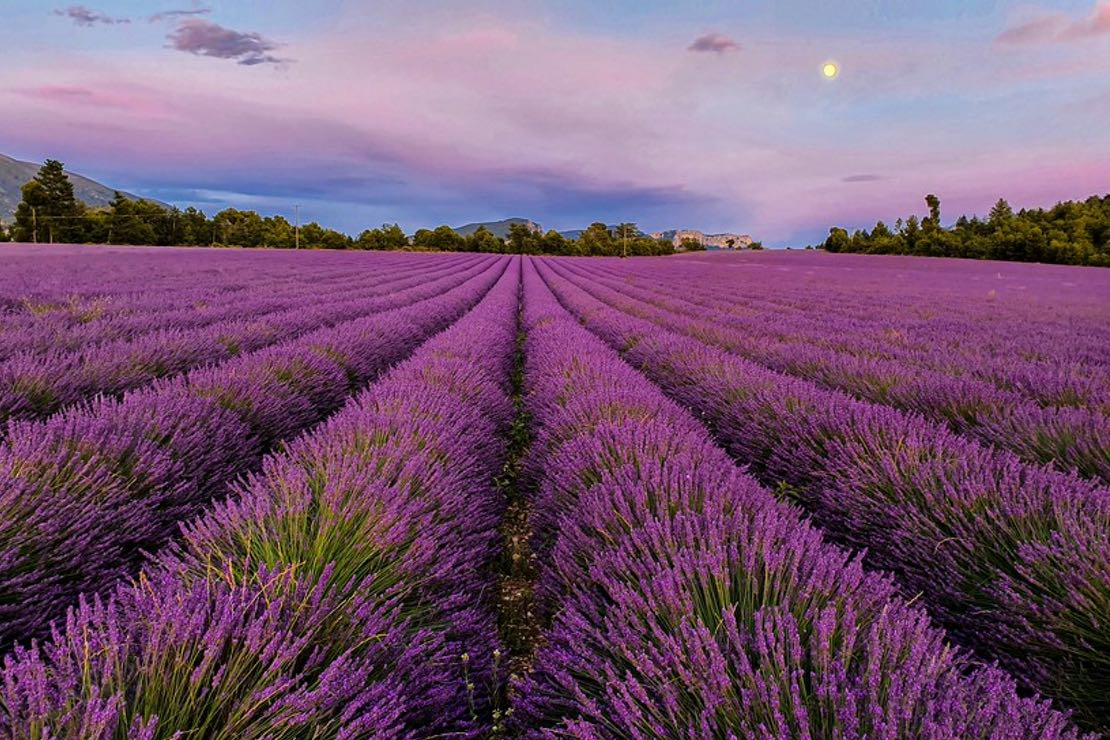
(685, 600)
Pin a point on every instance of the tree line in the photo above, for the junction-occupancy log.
(1069, 233)
(598, 240)
(50, 213)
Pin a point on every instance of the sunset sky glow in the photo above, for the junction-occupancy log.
(708, 114)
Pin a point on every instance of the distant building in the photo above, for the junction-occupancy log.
(719, 241)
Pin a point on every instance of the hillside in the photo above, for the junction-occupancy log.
(500, 229)
(15, 173)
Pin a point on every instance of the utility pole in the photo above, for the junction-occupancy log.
(297, 227)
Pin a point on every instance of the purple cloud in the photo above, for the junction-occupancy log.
(862, 178)
(208, 39)
(1097, 24)
(716, 43)
(83, 16)
(1032, 32)
(169, 15)
(1058, 28)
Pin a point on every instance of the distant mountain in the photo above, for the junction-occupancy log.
(499, 229)
(14, 174)
(711, 241)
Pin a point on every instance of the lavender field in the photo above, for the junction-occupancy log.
(276, 494)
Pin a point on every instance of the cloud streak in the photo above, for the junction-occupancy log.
(862, 178)
(1059, 28)
(169, 15)
(713, 43)
(87, 17)
(204, 38)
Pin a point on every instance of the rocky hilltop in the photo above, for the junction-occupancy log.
(720, 241)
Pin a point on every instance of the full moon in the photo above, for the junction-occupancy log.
(830, 70)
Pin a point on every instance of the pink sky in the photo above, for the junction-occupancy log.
(514, 110)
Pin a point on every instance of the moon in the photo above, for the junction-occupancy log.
(830, 70)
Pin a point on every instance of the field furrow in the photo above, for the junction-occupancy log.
(1013, 559)
(345, 591)
(1035, 349)
(72, 324)
(33, 387)
(685, 600)
(83, 493)
(1067, 437)
(284, 494)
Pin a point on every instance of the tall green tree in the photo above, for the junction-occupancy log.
(49, 211)
(312, 236)
(195, 228)
(278, 233)
(596, 241)
(128, 223)
(911, 231)
(30, 214)
(838, 240)
(442, 239)
(63, 210)
(237, 228)
(1000, 213)
(933, 222)
(523, 239)
(623, 235)
(389, 236)
(484, 240)
(333, 239)
(555, 243)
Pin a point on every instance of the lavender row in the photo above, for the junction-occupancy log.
(344, 592)
(61, 310)
(36, 386)
(31, 276)
(1013, 559)
(1015, 355)
(1068, 438)
(47, 340)
(82, 493)
(1008, 308)
(1048, 345)
(196, 290)
(66, 306)
(179, 306)
(176, 308)
(688, 602)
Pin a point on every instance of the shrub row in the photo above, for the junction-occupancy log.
(1067, 437)
(82, 493)
(687, 602)
(36, 385)
(194, 300)
(344, 592)
(1013, 559)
